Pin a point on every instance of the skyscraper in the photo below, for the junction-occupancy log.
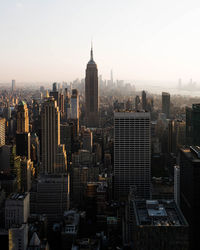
(55, 93)
(144, 100)
(87, 140)
(54, 86)
(166, 103)
(13, 85)
(67, 108)
(190, 190)
(193, 124)
(111, 77)
(53, 154)
(22, 118)
(2, 131)
(23, 135)
(132, 154)
(91, 94)
(23, 144)
(137, 102)
(177, 184)
(75, 109)
(74, 104)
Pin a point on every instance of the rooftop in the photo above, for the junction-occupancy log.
(71, 217)
(192, 152)
(130, 114)
(165, 93)
(17, 196)
(71, 222)
(158, 213)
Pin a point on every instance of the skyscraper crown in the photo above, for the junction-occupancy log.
(91, 56)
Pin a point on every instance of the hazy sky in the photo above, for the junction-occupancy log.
(49, 40)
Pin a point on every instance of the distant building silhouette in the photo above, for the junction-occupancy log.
(13, 85)
(137, 102)
(144, 100)
(166, 104)
(55, 93)
(75, 110)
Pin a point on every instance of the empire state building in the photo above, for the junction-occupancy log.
(91, 94)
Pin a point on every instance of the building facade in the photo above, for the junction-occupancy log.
(22, 118)
(2, 131)
(192, 125)
(50, 196)
(18, 237)
(17, 209)
(51, 149)
(132, 153)
(190, 190)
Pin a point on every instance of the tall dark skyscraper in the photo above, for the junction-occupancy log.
(190, 191)
(23, 135)
(144, 100)
(193, 125)
(91, 94)
(55, 86)
(166, 103)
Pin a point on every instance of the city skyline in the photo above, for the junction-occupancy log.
(54, 46)
(99, 150)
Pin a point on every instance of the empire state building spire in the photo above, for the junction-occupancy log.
(91, 56)
(91, 93)
(91, 53)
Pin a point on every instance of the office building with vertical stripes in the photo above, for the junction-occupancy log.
(132, 154)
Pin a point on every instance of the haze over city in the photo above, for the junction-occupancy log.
(144, 40)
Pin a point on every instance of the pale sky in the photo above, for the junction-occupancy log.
(49, 40)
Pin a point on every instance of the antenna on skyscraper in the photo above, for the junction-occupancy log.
(91, 50)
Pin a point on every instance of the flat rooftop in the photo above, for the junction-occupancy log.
(71, 217)
(17, 196)
(158, 213)
(52, 178)
(131, 114)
